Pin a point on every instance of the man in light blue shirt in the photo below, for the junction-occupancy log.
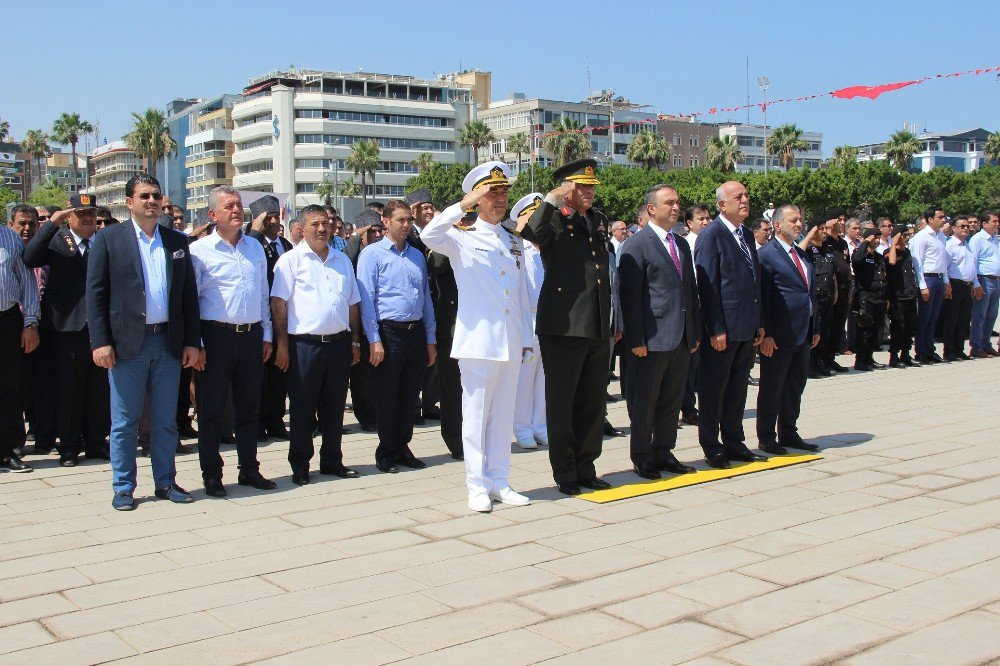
(398, 317)
(985, 249)
(930, 261)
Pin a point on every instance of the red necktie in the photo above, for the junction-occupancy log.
(798, 265)
(673, 253)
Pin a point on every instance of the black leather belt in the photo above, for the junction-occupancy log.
(320, 338)
(239, 328)
(405, 325)
(937, 275)
(991, 277)
(156, 328)
(959, 281)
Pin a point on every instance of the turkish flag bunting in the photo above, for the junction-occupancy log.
(871, 92)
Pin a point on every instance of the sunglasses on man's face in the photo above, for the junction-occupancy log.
(155, 196)
(42, 218)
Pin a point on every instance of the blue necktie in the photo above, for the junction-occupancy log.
(743, 246)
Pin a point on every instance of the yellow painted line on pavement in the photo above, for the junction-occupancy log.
(701, 476)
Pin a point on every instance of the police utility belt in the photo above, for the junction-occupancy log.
(238, 328)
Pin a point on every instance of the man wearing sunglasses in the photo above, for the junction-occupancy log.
(956, 312)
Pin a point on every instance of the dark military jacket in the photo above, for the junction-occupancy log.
(842, 256)
(902, 276)
(870, 271)
(575, 299)
(444, 293)
(63, 305)
(824, 272)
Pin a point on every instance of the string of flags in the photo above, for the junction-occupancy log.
(850, 92)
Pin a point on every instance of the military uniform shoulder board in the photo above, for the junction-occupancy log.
(464, 227)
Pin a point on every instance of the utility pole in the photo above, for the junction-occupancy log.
(764, 83)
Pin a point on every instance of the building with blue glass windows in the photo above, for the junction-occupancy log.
(959, 151)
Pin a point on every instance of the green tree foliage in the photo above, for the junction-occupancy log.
(723, 154)
(648, 149)
(4, 130)
(7, 196)
(785, 141)
(364, 161)
(326, 191)
(476, 134)
(901, 147)
(67, 129)
(423, 162)
(150, 137)
(844, 155)
(522, 185)
(443, 181)
(992, 148)
(568, 142)
(49, 194)
(36, 147)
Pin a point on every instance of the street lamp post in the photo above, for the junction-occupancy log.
(763, 83)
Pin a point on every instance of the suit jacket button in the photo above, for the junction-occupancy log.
(142, 314)
(598, 280)
(558, 288)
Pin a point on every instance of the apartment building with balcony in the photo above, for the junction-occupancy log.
(113, 164)
(752, 140)
(961, 151)
(294, 129)
(209, 159)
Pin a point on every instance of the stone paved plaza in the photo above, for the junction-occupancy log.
(884, 552)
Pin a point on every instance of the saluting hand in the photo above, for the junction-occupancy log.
(258, 223)
(472, 199)
(564, 191)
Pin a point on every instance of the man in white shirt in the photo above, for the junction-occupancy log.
(317, 332)
(619, 232)
(884, 227)
(985, 247)
(930, 262)
(956, 312)
(696, 218)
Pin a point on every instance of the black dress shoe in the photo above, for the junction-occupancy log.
(815, 374)
(753, 382)
(671, 464)
(369, 427)
(67, 461)
(963, 356)
(339, 470)
(432, 413)
(228, 439)
(407, 459)
(937, 357)
(718, 461)
(300, 478)
(611, 431)
(836, 367)
(746, 455)
(878, 366)
(894, 361)
(186, 430)
(690, 419)
(254, 479)
(278, 432)
(773, 449)
(909, 361)
(594, 484)
(824, 369)
(214, 487)
(570, 488)
(386, 466)
(800, 444)
(261, 435)
(861, 366)
(97, 455)
(458, 455)
(612, 398)
(647, 471)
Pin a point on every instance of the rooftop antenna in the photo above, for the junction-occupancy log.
(590, 88)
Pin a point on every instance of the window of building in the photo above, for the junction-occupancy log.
(381, 118)
(384, 142)
(745, 141)
(259, 118)
(677, 139)
(254, 167)
(693, 162)
(256, 143)
(693, 141)
(305, 188)
(677, 161)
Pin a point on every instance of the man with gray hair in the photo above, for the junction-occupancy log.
(231, 271)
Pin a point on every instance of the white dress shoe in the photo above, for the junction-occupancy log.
(509, 496)
(481, 503)
(527, 443)
(542, 439)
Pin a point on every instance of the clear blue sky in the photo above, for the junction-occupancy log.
(107, 59)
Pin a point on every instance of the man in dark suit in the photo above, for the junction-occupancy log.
(444, 293)
(791, 318)
(266, 215)
(660, 306)
(729, 288)
(574, 323)
(370, 230)
(80, 386)
(142, 306)
(423, 211)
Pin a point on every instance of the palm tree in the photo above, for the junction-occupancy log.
(477, 134)
(36, 147)
(364, 161)
(845, 155)
(784, 141)
(518, 144)
(648, 150)
(326, 191)
(424, 162)
(349, 188)
(901, 147)
(150, 138)
(992, 148)
(568, 142)
(723, 154)
(67, 130)
(4, 130)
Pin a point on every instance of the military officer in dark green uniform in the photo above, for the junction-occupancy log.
(871, 280)
(573, 323)
(821, 256)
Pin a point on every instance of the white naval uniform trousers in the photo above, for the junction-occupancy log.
(529, 408)
(492, 327)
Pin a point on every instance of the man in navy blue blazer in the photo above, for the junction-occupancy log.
(729, 286)
(791, 319)
(659, 302)
(142, 311)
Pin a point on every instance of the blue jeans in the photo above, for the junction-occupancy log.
(927, 315)
(984, 314)
(155, 371)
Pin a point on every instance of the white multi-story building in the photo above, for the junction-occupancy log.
(751, 140)
(113, 164)
(959, 151)
(294, 129)
(536, 118)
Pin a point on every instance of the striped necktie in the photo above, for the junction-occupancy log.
(743, 246)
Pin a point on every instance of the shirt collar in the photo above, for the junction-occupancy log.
(141, 235)
(785, 246)
(219, 240)
(660, 233)
(303, 248)
(732, 227)
(76, 238)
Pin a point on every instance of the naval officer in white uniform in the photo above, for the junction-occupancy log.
(493, 330)
(529, 408)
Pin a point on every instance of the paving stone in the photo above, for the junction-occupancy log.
(604, 535)
(885, 573)
(509, 536)
(33, 608)
(367, 650)
(23, 636)
(723, 589)
(952, 554)
(94, 649)
(493, 587)
(585, 629)
(599, 562)
(171, 631)
(655, 610)
(820, 560)
(519, 646)
(672, 644)
(460, 626)
(521, 555)
(968, 639)
(43, 583)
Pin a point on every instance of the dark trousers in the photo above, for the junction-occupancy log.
(184, 398)
(723, 382)
(783, 377)
(658, 381)
(826, 324)
(273, 391)
(43, 396)
(689, 405)
(956, 317)
(430, 389)
(866, 333)
(450, 387)
(927, 315)
(318, 373)
(232, 360)
(902, 324)
(82, 394)
(576, 375)
(361, 387)
(11, 419)
(396, 382)
(838, 321)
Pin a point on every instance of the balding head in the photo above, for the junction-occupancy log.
(733, 201)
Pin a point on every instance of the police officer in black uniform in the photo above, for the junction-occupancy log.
(872, 281)
(824, 263)
(902, 293)
(368, 229)
(574, 323)
(835, 242)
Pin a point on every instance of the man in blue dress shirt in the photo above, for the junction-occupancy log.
(231, 269)
(930, 259)
(985, 248)
(398, 317)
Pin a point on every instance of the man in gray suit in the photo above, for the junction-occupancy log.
(660, 305)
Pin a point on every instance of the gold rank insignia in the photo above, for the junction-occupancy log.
(84, 199)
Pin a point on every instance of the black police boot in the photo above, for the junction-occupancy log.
(894, 361)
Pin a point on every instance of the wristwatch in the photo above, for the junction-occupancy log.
(32, 326)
